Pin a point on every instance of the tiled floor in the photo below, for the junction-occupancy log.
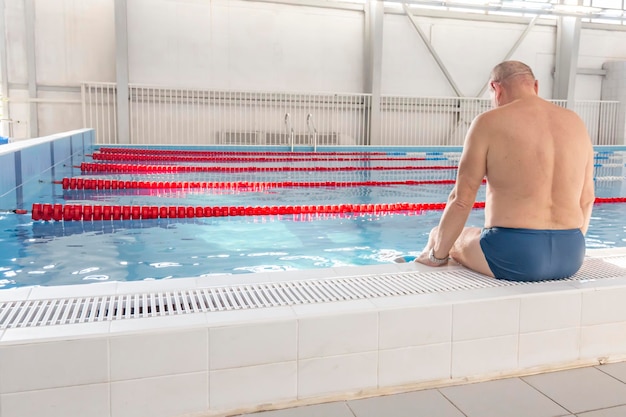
(598, 391)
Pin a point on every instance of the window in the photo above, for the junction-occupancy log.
(597, 11)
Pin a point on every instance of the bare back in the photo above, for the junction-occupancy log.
(538, 158)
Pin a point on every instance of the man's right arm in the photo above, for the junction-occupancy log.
(472, 169)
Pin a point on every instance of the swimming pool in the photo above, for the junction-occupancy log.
(373, 230)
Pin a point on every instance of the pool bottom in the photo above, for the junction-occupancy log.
(82, 252)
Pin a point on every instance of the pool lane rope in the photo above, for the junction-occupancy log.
(80, 212)
(110, 184)
(197, 152)
(140, 168)
(99, 156)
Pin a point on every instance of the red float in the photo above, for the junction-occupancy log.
(76, 212)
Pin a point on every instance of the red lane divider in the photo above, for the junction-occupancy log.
(134, 168)
(100, 184)
(77, 212)
(106, 156)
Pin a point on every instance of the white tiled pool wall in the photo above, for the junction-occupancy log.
(220, 363)
(25, 161)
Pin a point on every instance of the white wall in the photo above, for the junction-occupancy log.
(596, 48)
(241, 45)
(16, 63)
(259, 46)
(74, 42)
(468, 49)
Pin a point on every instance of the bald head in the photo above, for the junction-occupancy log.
(510, 81)
(506, 70)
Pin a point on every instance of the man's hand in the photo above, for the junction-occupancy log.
(423, 258)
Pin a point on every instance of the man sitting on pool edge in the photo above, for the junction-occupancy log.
(538, 160)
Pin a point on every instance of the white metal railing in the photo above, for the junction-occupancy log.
(444, 121)
(100, 110)
(604, 120)
(160, 115)
(187, 116)
(427, 121)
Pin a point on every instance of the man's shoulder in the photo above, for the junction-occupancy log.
(495, 113)
(489, 119)
(484, 117)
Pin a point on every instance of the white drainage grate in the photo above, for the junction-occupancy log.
(36, 313)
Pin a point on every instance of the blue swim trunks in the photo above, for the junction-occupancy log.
(532, 255)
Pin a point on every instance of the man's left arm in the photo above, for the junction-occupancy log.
(587, 195)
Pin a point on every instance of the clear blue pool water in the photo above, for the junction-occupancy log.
(60, 253)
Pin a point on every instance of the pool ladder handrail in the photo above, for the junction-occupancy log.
(289, 130)
(312, 130)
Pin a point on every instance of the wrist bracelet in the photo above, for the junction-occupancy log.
(434, 259)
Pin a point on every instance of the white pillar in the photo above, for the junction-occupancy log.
(121, 71)
(374, 14)
(567, 43)
(614, 89)
(31, 67)
(4, 73)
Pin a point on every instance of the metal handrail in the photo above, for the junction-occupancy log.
(10, 123)
(312, 130)
(289, 129)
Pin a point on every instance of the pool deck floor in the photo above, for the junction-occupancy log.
(594, 391)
